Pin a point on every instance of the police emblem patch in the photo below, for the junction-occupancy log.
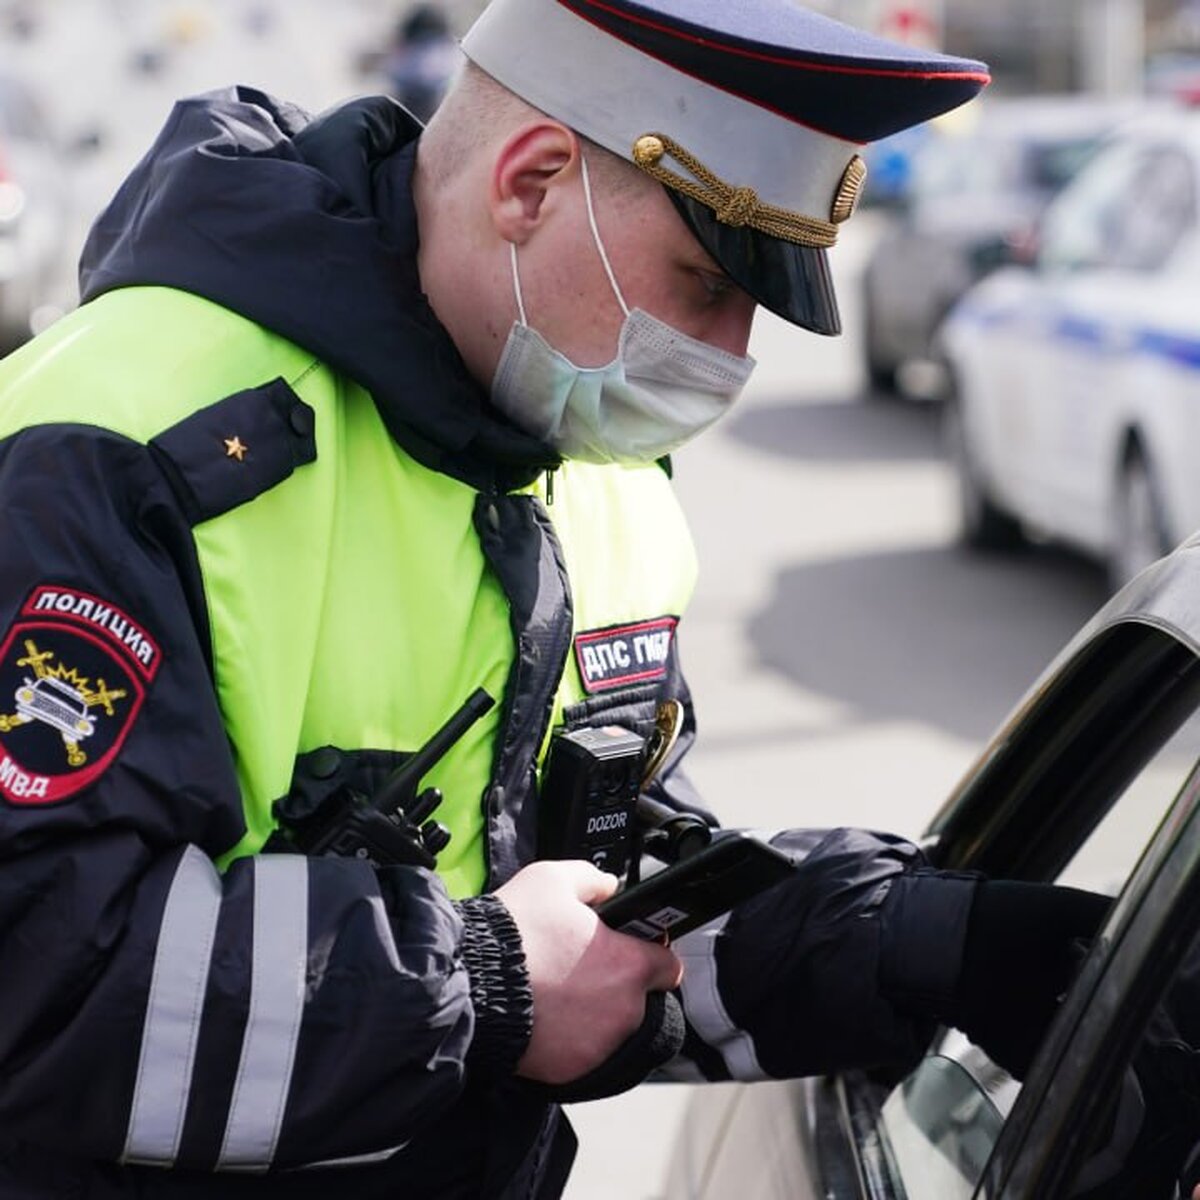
(621, 655)
(73, 675)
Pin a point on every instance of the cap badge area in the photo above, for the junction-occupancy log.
(845, 199)
(73, 676)
(732, 205)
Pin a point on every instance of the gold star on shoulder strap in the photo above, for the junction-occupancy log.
(235, 448)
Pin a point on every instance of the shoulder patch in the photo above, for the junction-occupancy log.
(620, 655)
(73, 675)
(236, 449)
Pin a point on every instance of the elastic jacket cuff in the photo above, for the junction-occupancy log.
(924, 933)
(500, 991)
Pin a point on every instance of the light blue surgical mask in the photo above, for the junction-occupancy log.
(662, 388)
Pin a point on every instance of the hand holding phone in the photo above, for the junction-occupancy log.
(690, 893)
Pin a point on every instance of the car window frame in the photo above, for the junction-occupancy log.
(1041, 784)
(1034, 796)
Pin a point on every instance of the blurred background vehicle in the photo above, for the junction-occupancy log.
(971, 191)
(1092, 782)
(890, 166)
(1075, 406)
(35, 218)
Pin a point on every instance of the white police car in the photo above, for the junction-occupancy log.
(1076, 379)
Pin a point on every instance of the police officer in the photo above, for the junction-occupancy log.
(354, 419)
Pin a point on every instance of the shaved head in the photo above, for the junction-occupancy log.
(479, 113)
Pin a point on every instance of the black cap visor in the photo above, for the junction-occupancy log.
(793, 281)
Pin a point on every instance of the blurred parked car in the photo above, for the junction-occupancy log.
(1074, 788)
(1076, 405)
(35, 218)
(973, 193)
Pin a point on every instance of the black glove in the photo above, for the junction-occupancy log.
(656, 1041)
(797, 968)
(1024, 944)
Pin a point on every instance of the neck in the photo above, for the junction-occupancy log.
(452, 246)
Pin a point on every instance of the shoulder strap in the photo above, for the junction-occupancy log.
(236, 449)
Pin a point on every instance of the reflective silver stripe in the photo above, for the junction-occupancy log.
(277, 982)
(703, 1006)
(168, 1053)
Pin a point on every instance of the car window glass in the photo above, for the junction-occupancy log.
(943, 1120)
(1162, 212)
(1185, 259)
(963, 166)
(1050, 165)
(1086, 226)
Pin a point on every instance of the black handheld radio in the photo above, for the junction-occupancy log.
(391, 827)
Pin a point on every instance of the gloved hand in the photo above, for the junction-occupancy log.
(1024, 944)
(788, 985)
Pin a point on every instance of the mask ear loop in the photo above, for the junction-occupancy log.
(591, 212)
(512, 246)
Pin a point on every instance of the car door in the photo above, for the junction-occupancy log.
(1069, 790)
(1072, 788)
(1077, 337)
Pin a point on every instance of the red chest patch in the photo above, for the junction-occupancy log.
(622, 655)
(73, 676)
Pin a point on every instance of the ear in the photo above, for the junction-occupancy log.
(529, 165)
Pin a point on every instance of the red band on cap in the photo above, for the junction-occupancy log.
(982, 77)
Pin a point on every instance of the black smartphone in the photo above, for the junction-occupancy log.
(733, 867)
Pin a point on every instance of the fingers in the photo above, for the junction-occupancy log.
(589, 982)
(591, 884)
(663, 970)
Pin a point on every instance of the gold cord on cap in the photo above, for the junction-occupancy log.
(738, 206)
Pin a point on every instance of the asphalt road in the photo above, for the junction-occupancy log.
(848, 659)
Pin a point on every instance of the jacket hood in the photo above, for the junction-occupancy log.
(307, 226)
